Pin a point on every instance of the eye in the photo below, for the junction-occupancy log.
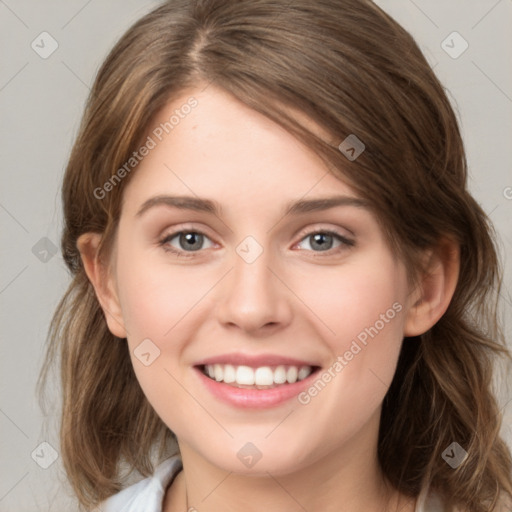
(322, 241)
(188, 241)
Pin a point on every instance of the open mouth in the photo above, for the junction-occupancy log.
(263, 377)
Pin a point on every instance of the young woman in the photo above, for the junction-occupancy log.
(283, 294)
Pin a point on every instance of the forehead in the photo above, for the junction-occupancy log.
(221, 148)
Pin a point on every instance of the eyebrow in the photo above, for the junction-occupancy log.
(209, 206)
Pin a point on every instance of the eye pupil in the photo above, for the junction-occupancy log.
(320, 239)
(194, 240)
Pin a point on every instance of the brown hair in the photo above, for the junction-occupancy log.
(350, 69)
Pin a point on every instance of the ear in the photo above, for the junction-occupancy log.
(432, 296)
(101, 278)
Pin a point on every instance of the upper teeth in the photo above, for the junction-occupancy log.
(261, 376)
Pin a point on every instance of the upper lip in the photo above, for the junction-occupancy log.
(254, 361)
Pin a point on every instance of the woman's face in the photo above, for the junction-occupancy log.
(271, 286)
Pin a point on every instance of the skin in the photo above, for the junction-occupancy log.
(293, 300)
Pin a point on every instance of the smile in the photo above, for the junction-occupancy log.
(263, 377)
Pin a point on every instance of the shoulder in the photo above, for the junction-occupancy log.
(146, 495)
(429, 501)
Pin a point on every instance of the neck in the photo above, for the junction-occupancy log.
(347, 479)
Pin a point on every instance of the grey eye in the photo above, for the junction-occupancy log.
(189, 241)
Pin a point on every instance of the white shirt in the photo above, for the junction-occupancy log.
(148, 494)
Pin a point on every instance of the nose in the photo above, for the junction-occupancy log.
(253, 299)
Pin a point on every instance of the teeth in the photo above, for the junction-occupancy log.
(218, 372)
(262, 376)
(292, 374)
(304, 371)
(244, 375)
(229, 374)
(280, 375)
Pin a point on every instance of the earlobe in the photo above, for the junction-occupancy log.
(433, 295)
(102, 280)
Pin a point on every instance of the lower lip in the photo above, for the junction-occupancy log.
(254, 398)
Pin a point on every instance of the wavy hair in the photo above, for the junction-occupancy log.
(349, 68)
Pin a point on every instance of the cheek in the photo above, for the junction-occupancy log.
(157, 303)
(364, 299)
(363, 304)
(155, 297)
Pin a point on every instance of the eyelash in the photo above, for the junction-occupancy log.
(346, 243)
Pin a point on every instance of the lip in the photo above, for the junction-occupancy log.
(245, 398)
(256, 361)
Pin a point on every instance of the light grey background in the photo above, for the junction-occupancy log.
(41, 101)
